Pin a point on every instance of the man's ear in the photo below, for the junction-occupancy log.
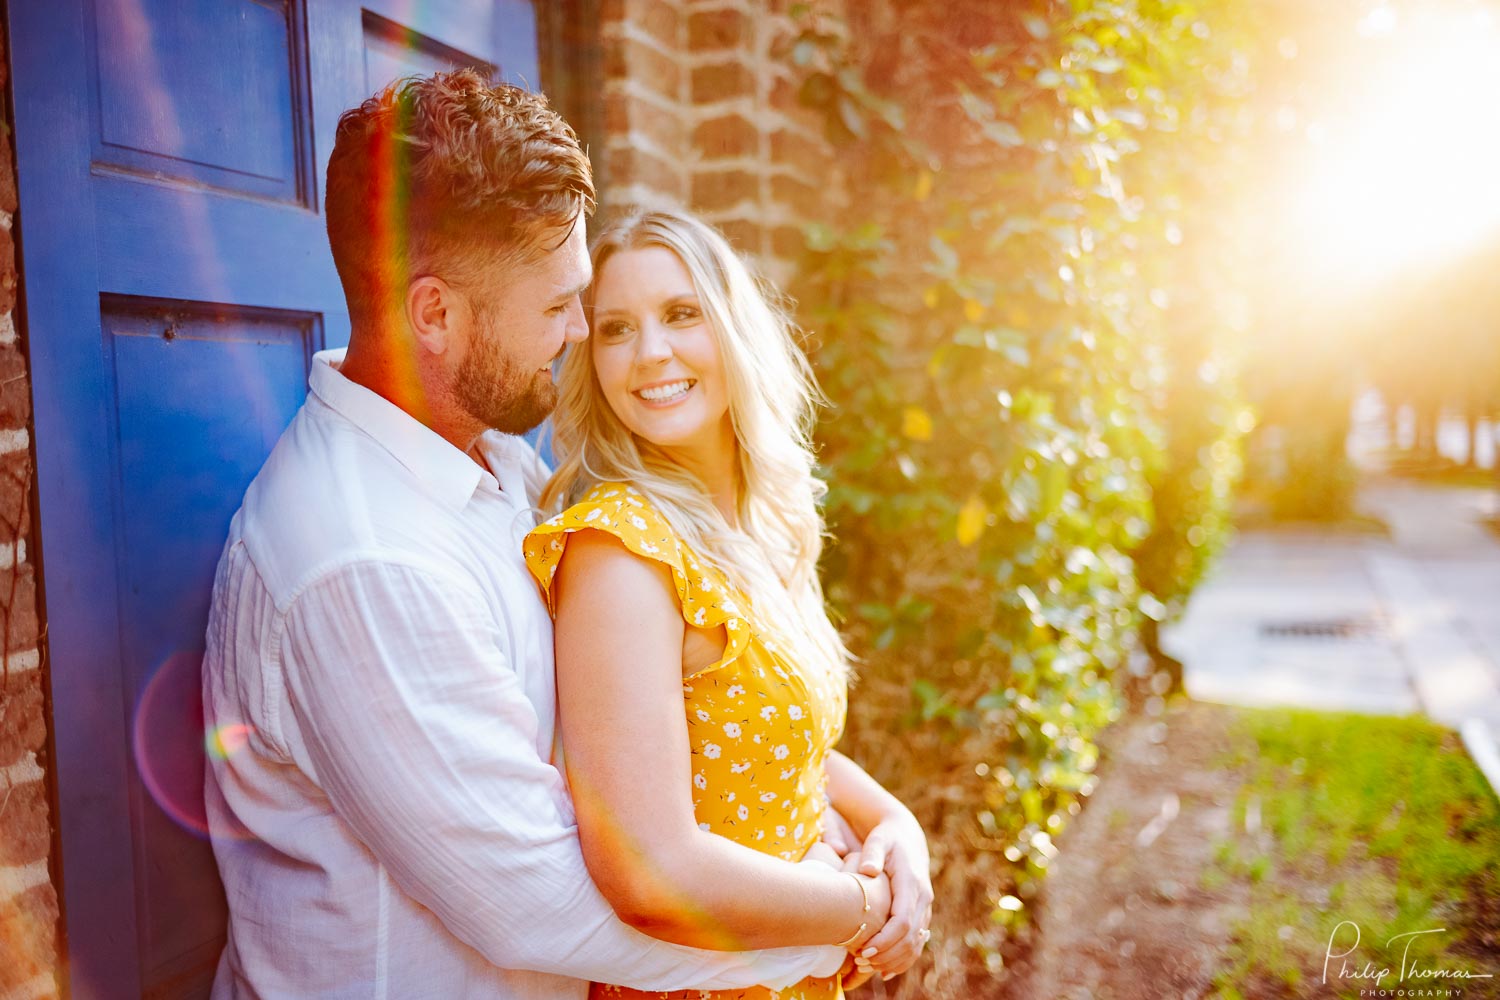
(432, 311)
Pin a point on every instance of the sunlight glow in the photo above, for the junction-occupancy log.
(1406, 173)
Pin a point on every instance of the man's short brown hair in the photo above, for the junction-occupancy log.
(442, 175)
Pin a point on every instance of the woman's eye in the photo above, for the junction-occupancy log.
(678, 314)
(613, 329)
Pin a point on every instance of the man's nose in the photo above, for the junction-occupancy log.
(578, 325)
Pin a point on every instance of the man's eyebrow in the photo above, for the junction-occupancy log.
(570, 293)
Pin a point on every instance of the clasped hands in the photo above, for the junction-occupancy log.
(894, 857)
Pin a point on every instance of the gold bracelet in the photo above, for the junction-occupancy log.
(865, 895)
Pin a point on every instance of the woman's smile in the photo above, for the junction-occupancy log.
(666, 393)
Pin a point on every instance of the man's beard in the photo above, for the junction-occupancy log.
(493, 391)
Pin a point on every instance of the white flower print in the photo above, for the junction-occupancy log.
(788, 774)
(743, 813)
(797, 832)
(699, 781)
(767, 796)
(712, 751)
(702, 715)
(732, 730)
(756, 737)
(780, 751)
(740, 768)
(639, 522)
(704, 827)
(795, 711)
(768, 712)
(735, 691)
(700, 617)
(781, 831)
(594, 514)
(760, 835)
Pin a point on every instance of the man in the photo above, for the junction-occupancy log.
(394, 826)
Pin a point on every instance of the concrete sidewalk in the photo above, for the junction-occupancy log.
(1360, 623)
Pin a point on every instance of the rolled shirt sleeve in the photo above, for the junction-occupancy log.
(419, 733)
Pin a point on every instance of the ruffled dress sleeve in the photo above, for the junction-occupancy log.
(704, 596)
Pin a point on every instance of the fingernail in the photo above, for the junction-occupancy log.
(887, 977)
(868, 953)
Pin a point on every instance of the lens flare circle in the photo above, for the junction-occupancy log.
(172, 743)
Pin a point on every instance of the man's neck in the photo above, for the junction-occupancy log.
(399, 379)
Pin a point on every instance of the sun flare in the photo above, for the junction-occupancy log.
(1400, 150)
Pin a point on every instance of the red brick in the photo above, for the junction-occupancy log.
(660, 20)
(623, 113)
(7, 271)
(15, 389)
(788, 242)
(629, 165)
(806, 201)
(722, 81)
(718, 29)
(25, 823)
(28, 936)
(716, 190)
(18, 608)
(7, 172)
(15, 495)
(726, 136)
(23, 726)
(625, 58)
(802, 154)
(742, 233)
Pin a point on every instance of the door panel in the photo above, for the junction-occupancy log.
(177, 281)
(214, 98)
(200, 398)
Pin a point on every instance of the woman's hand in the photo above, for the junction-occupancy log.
(821, 853)
(838, 834)
(898, 847)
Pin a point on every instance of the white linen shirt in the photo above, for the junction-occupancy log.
(384, 808)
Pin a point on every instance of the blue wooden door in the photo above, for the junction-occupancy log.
(177, 280)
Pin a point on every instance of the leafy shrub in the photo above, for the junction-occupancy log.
(1031, 446)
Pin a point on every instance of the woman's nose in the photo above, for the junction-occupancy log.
(652, 347)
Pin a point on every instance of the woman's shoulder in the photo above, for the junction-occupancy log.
(617, 509)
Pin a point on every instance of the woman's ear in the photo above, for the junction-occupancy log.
(432, 309)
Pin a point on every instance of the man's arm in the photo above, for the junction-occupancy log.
(421, 736)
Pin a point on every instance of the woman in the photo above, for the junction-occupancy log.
(701, 687)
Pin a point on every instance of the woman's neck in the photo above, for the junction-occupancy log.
(718, 468)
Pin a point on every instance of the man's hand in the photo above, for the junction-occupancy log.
(898, 847)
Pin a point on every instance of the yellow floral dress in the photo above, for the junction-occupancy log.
(760, 728)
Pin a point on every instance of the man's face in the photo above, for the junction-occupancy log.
(520, 320)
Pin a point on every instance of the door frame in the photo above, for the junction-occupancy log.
(74, 522)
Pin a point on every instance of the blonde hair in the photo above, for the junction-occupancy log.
(772, 554)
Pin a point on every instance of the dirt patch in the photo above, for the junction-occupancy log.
(1127, 912)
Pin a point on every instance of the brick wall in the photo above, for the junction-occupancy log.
(700, 110)
(28, 901)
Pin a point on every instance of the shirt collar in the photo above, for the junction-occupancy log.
(445, 472)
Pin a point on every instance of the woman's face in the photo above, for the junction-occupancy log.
(657, 360)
